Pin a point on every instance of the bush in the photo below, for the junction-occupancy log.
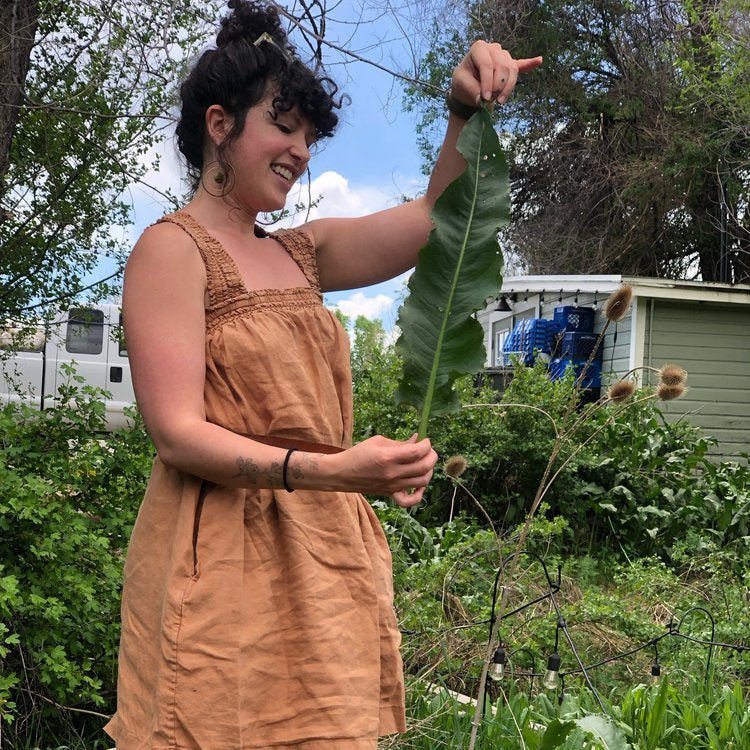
(68, 500)
(629, 481)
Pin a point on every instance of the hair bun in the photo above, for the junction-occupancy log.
(248, 20)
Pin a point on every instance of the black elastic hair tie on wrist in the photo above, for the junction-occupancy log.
(461, 110)
(283, 471)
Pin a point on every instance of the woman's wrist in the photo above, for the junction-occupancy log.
(458, 108)
(311, 471)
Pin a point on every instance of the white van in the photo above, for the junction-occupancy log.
(89, 338)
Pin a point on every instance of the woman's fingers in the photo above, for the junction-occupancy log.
(404, 499)
(489, 73)
(484, 59)
(383, 466)
(525, 64)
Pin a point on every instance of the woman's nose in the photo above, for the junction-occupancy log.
(300, 150)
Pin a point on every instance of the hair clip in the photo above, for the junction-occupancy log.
(266, 37)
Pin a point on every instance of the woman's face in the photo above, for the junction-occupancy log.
(269, 156)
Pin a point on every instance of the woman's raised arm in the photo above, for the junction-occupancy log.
(366, 250)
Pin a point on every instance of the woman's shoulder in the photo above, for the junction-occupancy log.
(166, 243)
(301, 235)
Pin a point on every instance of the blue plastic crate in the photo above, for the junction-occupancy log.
(577, 345)
(530, 336)
(592, 379)
(572, 318)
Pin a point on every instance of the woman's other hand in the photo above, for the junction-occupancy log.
(381, 466)
(488, 73)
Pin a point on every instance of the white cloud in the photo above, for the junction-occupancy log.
(337, 199)
(371, 307)
(392, 336)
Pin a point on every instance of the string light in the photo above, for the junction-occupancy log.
(499, 660)
(561, 694)
(656, 667)
(655, 673)
(551, 679)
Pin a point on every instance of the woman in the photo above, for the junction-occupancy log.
(257, 607)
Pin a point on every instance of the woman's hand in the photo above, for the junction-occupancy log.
(381, 466)
(488, 73)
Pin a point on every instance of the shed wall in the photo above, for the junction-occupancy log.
(712, 342)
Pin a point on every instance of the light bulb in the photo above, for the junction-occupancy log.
(497, 667)
(655, 673)
(551, 678)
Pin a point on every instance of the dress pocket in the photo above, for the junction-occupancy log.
(197, 524)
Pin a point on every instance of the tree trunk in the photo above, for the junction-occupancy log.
(18, 21)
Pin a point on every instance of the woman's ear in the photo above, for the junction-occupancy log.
(218, 123)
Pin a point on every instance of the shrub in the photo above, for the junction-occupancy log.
(68, 499)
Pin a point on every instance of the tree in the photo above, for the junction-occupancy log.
(85, 94)
(629, 147)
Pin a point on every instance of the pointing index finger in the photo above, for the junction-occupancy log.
(526, 64)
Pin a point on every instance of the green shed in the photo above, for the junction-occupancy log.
(703, 327)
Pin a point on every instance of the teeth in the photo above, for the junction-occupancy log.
(283, 171)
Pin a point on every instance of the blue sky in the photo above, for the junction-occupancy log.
(370, 162)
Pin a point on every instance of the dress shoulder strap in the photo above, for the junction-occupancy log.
(223, 281)
(300, 247)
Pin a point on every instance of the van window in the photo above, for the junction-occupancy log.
(85, 333)
(121, 339)
(16, 339)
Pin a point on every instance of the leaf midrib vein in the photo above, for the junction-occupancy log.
(444, 324)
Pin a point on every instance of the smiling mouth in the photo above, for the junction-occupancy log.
(282, 172)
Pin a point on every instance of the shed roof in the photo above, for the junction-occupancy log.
(698, 291)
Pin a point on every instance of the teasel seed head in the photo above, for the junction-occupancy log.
(621, 391)
(455, 466)
(617, 304)
(668, 392)
(672, 375)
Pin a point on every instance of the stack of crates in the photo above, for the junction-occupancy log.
(577, 341)
(528, 339)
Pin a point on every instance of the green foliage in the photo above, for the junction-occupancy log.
(444, 578)
(458, 269)
(68, 499)
(441, 721)
(664, 718)
(651, 480)
(683, 711)
(99, 86)
(628, 481)
(620, 143)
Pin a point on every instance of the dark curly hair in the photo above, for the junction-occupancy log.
(238, 73)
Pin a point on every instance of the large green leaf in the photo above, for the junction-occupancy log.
(555, 734)
(608, 735)
(458, 269)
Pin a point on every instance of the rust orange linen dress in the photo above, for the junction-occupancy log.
(260, 618)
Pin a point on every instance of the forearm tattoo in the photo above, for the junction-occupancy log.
(253, 474)
(299, 467)
(303, 465)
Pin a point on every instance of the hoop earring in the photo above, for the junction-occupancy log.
(218, 179)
